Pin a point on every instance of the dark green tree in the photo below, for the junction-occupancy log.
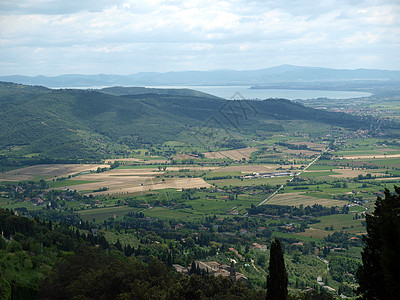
(277, 279)
(193, 268)
(379, 274)
(42, 184)
(118, 245)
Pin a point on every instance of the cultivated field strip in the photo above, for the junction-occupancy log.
(296, 199)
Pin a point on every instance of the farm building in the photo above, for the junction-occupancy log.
(267, 175)
(215, 269)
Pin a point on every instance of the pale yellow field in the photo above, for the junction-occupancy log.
(126, 161)
(388, 178)
(185, 156)
(13, 177)
(192, 168)
(315, 233)
(122, 173)
(142, 184)
(214, 155)
(295, 199)
(50, 170)
(122, 181)
(112, 160)
(255, 168)
(110, 182)
(237, 154)
(371, 156)
(352, 173)
(117, 180)
(386, 150)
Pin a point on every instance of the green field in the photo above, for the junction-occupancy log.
(318, 174)
(68, 182)
(296, 199)
(359, 151)
(202, 207)
(167, 213)
(341, 222)
(101, 214)
(221, 172)
(11, 168)
(297, 236)
(144, 166)
(316, 167)
(218, 206)
(11, 204)
(383, 161)
(313, 234)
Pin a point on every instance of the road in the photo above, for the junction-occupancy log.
(319, 278)
(291, 179)
(255, 268)
(273, 194)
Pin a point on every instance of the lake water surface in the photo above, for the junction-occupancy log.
(239, 92)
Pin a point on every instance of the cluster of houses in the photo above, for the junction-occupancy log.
(267, 175)
(215, 269)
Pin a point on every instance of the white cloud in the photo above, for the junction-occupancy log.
(50, 7)
(128, 36)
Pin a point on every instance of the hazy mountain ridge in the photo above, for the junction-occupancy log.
(283, 73)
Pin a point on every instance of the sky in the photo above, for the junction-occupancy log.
(53, 37)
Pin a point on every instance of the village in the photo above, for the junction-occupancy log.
(213, 268)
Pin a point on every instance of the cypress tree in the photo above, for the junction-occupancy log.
(169, 259)
(118, 245)
(193, 268)
(198, 271)
(277, 279)
(379, 275)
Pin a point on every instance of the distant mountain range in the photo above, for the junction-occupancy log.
(262, 77)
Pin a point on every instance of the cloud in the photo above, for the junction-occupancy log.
(52, 7)
(128, 36)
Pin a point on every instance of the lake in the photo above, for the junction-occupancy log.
(239, 92)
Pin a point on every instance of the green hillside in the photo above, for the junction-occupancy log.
(121, 91)
(85, 124)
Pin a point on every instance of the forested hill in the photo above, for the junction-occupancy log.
(72, 124)
(122, 91)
